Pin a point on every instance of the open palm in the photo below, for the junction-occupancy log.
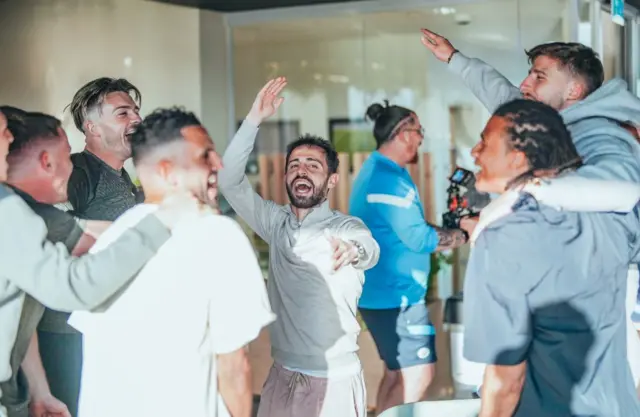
(267, 101)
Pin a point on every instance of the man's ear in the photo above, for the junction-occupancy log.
(333, 180)
(519, 161)
(576, 90)
(90, 127)
(166, 171)
(45, 161)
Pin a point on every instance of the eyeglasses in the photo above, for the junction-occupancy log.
(419, 131)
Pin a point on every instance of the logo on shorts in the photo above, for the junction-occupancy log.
(424, 352)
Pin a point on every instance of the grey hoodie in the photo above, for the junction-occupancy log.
(31, 265)
(608, 150)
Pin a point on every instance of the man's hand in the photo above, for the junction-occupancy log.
(450, 238)
(440, 47)
(469, 223)
(267, 101)
(176, 206)
(344, 253)
(48, 406)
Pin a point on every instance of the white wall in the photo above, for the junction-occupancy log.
(50, 48)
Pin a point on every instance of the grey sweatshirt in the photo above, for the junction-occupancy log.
(29, 264)
(608, 150)
(316, 327)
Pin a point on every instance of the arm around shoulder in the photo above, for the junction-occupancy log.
(48, 273)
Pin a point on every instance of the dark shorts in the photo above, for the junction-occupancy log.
(404, 336)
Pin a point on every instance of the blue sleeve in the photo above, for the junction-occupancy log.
(607, 156)
(396, 203)
(497, 312)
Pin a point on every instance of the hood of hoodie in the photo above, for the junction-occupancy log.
(612, 101)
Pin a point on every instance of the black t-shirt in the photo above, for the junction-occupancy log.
(99, 192)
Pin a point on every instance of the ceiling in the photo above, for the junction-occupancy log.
(247, 5)
(494, 23)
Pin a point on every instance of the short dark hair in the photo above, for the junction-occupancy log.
(387, 120)
(540, 133)
(159, 128)
(92, 94)
(29, 127)
(579, 59)
(310, 140)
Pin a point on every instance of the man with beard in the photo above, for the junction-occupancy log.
(172, 342)
(317, 259)
(393, 300)
(546, 287)
(34, 267)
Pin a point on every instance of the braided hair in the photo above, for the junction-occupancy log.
(538, 131)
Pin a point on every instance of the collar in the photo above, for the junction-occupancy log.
(498, 208)
(23, 195)
(378, 157)
(316, 214)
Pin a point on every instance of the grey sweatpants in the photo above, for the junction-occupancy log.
(292, 394)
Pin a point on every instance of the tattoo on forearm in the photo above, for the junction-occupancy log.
(450, 238)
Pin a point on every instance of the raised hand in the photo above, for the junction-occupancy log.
(267, 101)
(440, 47)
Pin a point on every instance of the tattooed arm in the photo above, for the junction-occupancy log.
(450, 238)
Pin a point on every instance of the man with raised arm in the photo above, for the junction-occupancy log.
(317, 259)
(568, 77)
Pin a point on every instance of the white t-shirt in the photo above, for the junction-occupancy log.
(151, 351)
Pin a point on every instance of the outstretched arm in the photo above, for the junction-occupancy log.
(450, 238)
(609, 180)
(234, 184)
(485, 82)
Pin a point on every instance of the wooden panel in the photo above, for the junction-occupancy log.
(427, 188)
(344, 183)
(279, 194)
(264, 168)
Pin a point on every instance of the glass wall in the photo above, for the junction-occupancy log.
(338, 66)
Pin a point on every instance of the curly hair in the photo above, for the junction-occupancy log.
(310, 140)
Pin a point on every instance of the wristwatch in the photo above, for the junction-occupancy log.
(361, 252)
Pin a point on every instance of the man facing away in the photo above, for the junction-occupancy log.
(33, 266)
(39, 168)
(393, 303)
(546, 287)
(173, 342)
(316, 261)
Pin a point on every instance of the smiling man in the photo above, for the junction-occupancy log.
(546, 305)
(106, 110)
(172, 343)
(317, 259)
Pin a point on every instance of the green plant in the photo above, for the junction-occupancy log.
(438, 260)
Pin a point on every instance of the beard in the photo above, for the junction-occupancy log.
(415, 158)
(317, 195)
